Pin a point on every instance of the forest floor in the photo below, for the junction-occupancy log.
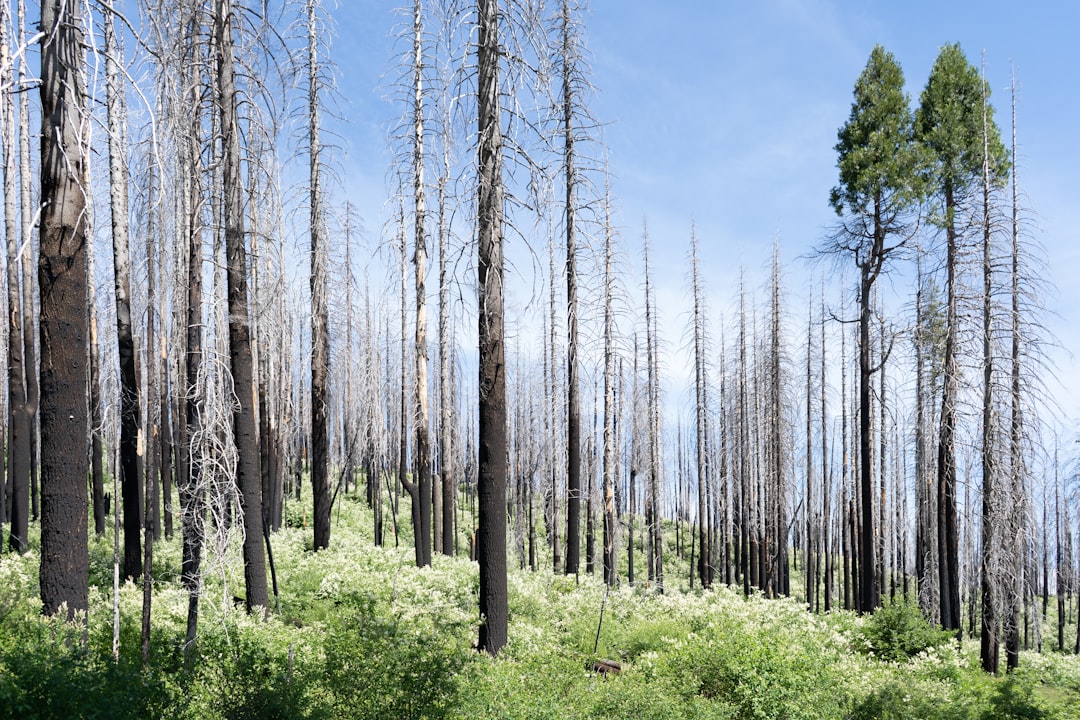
(360, 632)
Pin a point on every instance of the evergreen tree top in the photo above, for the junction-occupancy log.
(879, 161)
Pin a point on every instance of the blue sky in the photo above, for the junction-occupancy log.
(726, 113)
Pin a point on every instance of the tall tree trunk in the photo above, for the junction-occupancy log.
(190, 486)
(131, 441)
(825, 523)
(491, 481)
(62, 281)
(97, 420)
(701, 406)
(656, 554)
(553, 397)
(422, 453)
(573, 401)
(869, 591)
(245, 430)
(446, 387)
(154, 416)
(1018, 470)
(610, 570)
(18, 475)
(632, 480)
(26, 217)
(990, 626)
(810, 562)
(151, 510)
(778, 560)
(948, 539)
(320, 340)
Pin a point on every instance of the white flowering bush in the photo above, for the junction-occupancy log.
(357, 631)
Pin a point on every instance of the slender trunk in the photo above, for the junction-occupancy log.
(320, 340)
(825, 523)
(573, 402)
(248, 478)
(869, 591)
(19, 429)
(656, 554)
(1017, 468)
(27, 220)
(810, 563)
(446, 388)
(553, 414)
(97, 420)
(701, 405)
(492, 455)
(190, 487)
(154, 417)
(131, 441)
(948, 541)
(632, 490)
(422, 454)
(610, 570)
(990, 623)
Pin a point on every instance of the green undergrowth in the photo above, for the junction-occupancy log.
(359, 632)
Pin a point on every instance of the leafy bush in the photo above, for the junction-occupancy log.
(762, 670)
(376, 667)
(977, 697)
(252, 672)
(898, 631)
(45, 672)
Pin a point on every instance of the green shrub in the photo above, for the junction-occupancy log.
(759, 672)
(46, 672)
(378, 668)
(976, 697)
(898, 631)
(245, 674)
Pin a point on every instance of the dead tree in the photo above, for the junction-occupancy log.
(19, 427)
(492, 454)
(610, 570)
(245, 429)
(320, 322)
(62, 282)
(705, 564)
(653, 513)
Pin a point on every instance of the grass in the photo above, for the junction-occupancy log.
(359, 632)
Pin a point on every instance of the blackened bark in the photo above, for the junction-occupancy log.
(62, 281)
(948, 536)
(130, 414)
(868, 587)
(245, 430)
(320, 324)
(492, 451)
(573, 400)
(191, 493)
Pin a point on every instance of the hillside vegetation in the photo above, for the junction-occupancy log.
(360, 632)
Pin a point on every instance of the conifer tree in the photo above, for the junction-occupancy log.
(878, 192)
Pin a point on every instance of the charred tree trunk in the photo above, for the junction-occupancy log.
(573, 401)
(492, 455)
(131, 441)
(320, 339)
(245, 429)
(62, 281)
